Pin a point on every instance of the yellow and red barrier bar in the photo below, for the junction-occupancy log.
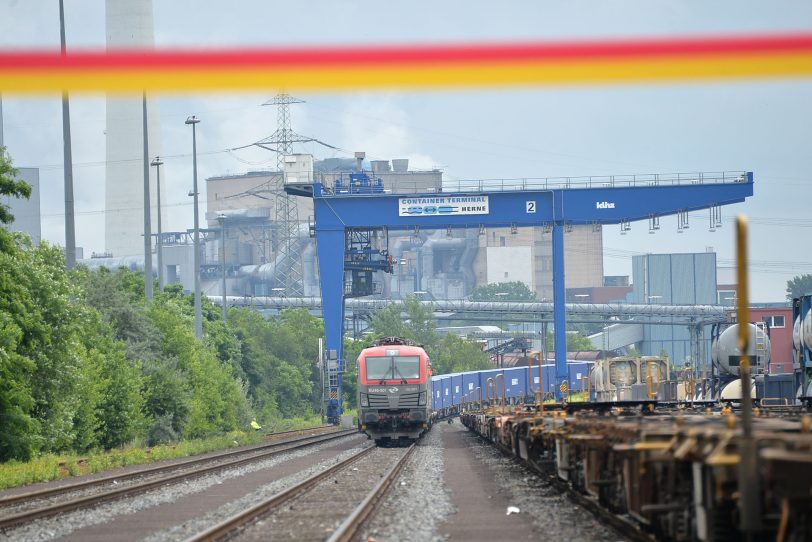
(408, 67)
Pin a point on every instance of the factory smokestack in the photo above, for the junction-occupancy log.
(129, 24)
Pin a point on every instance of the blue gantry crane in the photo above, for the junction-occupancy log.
(349, 213)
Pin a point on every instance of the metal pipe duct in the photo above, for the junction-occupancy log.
(706, 313)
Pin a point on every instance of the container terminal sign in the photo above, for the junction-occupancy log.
(443, 205)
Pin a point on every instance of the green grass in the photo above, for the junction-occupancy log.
(291, 424)
(50, 467)
(56, 467)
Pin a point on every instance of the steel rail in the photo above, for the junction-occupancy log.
(619, 523)
(86, 484)
(350, 527)
(292, 431)
(240, 520)
(135, 489)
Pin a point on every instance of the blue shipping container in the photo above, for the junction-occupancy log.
(483, 379)
(456, 389)
(578, 371)
(516, 382)
(436, 393)
(470, 383)
(446, 388)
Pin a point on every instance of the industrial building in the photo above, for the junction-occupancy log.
(661, 279)
(245, 209)
(249, 209)
(777, 318)
(674, 279)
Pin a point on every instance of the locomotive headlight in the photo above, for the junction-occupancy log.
(364, 400)
(421, 399)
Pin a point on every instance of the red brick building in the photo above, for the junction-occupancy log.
(779, 320)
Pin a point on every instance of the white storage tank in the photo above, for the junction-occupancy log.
(733, 391)
(806, 329)
(726, 353)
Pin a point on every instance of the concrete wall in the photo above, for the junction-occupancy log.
(179, 266)
(510, 264)
(675, 279)
(583, 259)
(254, 190)
(583, 256)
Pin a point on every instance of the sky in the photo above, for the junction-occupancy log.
(754, 125)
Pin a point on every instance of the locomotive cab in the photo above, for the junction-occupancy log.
(393, 395)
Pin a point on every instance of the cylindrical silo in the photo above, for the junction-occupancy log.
(129, 24)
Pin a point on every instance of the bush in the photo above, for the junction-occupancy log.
(162, 431)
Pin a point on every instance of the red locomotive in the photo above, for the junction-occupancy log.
(394, 379)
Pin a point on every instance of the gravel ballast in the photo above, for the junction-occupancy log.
(187, 529)
(550, 511)
(418, 501)
(65, 524)
(455, 485)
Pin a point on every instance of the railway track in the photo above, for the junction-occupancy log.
(337, 500)
(620, 523)
(24, 508)
(321, 428)
(668, 475)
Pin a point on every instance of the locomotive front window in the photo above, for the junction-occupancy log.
(378, 367)
(392, 367)
(407, 367)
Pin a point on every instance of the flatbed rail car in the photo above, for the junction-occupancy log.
(668, 473)
(393, 391)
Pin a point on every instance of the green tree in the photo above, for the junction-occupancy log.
(576, 342)
(10, 185)
(279, 360)
(87, 421)
(121, 304)
(166, 393)
(254, 335)
(799, 285)
(421, 324)
(453, 354)
(120, 403)
(577, 322)
(503, 291)
(515, 291)
(217, 401)
(306, 330)
(413, 321)
(18, 429)
(56, 329)
(292, 392)
(51, 357)
(388, 322)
